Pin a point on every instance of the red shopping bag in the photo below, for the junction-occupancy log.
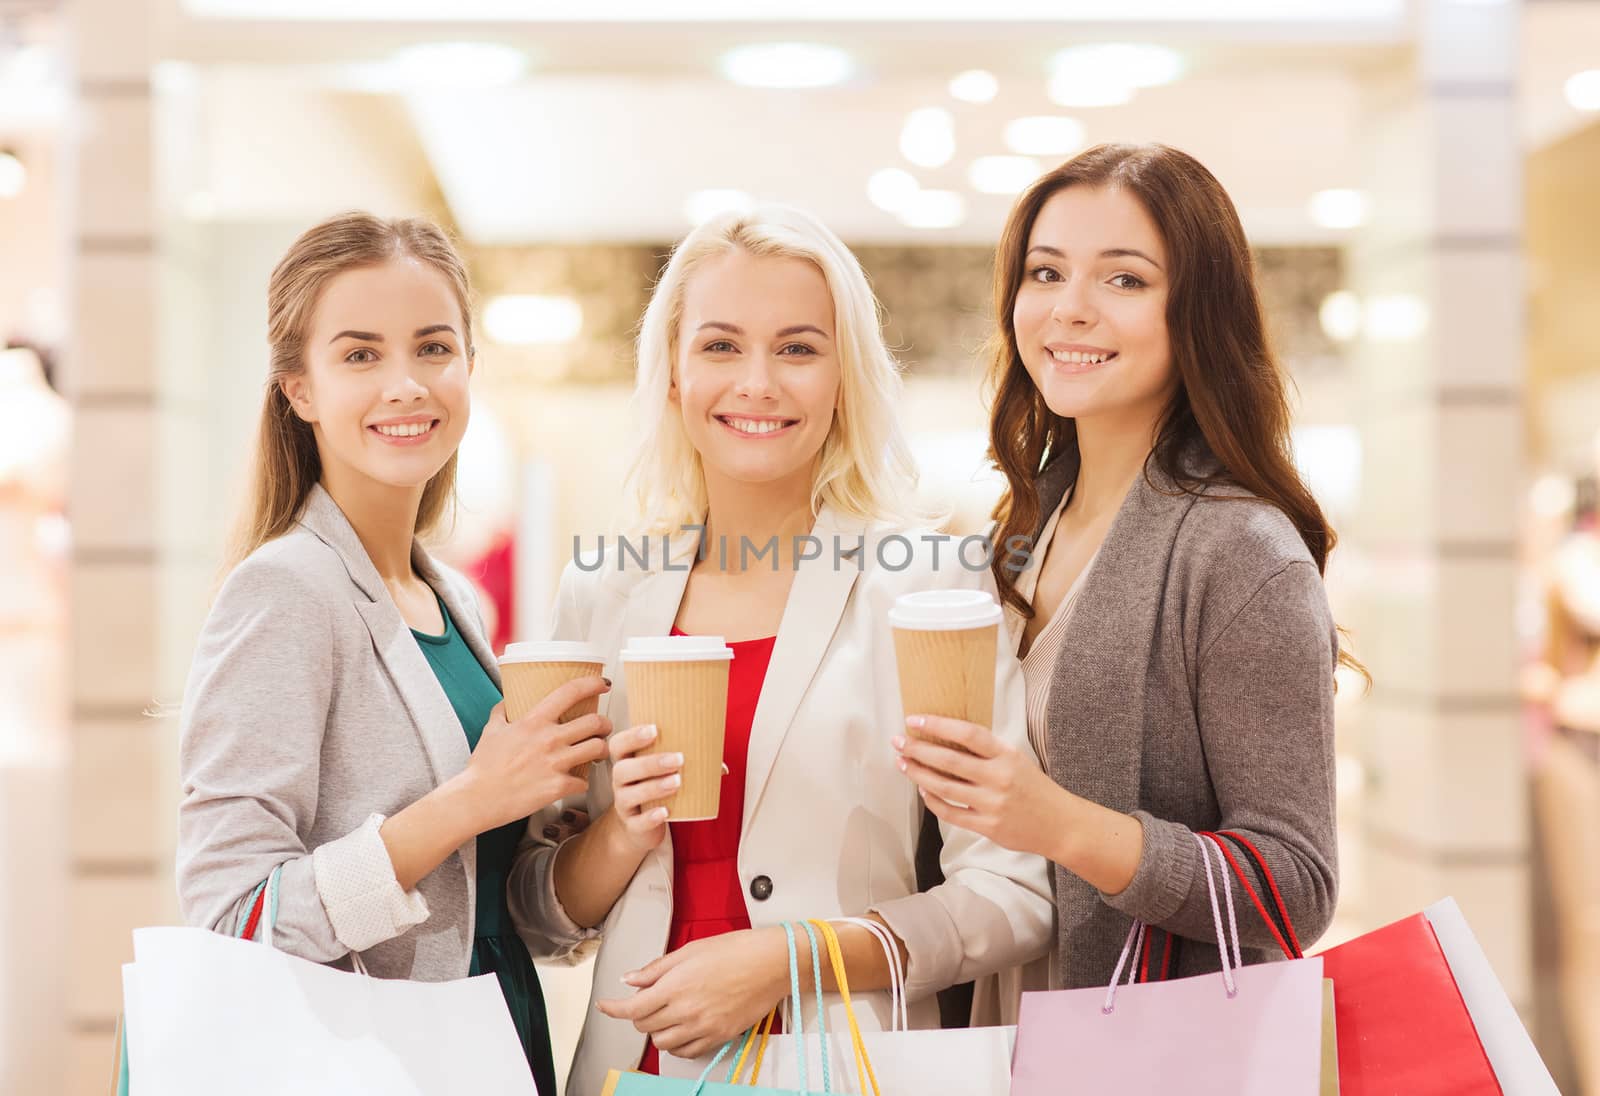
(1403, 1029)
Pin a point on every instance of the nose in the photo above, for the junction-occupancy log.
(756, 380)
(1071, 305)
(403, 386)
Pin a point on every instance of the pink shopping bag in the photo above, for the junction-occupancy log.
(1244, 1031)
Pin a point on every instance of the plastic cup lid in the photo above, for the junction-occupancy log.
(675, 649)
(553, 650)
(944, 610)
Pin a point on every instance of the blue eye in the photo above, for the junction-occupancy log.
(801, 347)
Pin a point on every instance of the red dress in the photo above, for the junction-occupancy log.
(707, 897)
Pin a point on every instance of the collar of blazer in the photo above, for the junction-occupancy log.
(816, 602)
(434, 719)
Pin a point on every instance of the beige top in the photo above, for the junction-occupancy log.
(1038, 665)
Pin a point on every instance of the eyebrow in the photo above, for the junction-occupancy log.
(734, 329)
(1108, 253)
(373, 336)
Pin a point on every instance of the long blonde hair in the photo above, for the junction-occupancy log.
(287, 464)
(866, 469)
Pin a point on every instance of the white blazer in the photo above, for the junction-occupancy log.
(830, 823)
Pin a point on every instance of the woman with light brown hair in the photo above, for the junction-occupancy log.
(342, 723)
(1178, 649)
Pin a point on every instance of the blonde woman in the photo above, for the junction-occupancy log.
(769, 415)
(342, 719)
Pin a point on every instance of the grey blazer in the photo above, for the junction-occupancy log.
(1194, 690)
(310, 716)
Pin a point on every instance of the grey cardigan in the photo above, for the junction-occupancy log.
(310, 715)
(1194, 690)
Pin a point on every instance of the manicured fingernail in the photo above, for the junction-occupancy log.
(650, 732)
(677, 759)
(631, 977)
(659, 814)
(902, 764)
(898, 742)
(674, 781)
(914, 721)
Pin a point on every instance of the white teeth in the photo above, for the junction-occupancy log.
(1078, 357)
(406, 430)
(754, 426)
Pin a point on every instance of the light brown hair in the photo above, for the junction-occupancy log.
(287, 464)
(1231, 398)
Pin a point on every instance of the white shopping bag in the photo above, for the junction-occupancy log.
(206, 1013)
(956, 1062)
(1511, 1053)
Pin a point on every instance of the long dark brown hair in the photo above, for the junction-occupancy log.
(1230, 400)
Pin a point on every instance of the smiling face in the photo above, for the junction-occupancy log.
(1090, 314)
(756, 371)
(386, 372)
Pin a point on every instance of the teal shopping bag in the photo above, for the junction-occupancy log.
(261, 916)
(749, 1047)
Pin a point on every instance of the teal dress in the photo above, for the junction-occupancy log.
(496, 947)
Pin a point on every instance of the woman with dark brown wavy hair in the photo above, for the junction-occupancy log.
(1177, 645)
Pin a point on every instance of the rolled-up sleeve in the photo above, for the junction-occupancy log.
(249, 757)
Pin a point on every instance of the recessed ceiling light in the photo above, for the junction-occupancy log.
(975, 86)
(522, 319)
(928, 139)
(1072, 89)
(1126, 64)
(1338, 208)
(1003, 174)
(891, 188)
(1340, 316)
(458, 65)
(934, 209)
(1583, 90)
(706, 204)
(1044, 135)
(786, 65)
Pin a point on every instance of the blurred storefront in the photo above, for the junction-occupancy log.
(1417, 179)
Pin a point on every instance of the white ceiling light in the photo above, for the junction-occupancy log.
(1397, 317)
(934, 209)
(1340, 316)
(520, 319)
(1044, 136)
(1583, 90)
(1070, 89)
(786, 65)
(1338, 208)
(458, 65)
(706, 204)
(1125, 64)
(891, 188)
(928, 139)
(975, 86)
(1003, 174)
(13, 175)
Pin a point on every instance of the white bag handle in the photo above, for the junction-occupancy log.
(899, 1015)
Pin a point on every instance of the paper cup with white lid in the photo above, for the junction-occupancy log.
(680, 684)
(944, 647)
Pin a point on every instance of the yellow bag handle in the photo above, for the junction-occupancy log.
(836, 956)
(760, 1043)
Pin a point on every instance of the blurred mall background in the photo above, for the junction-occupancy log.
(1419, 177)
